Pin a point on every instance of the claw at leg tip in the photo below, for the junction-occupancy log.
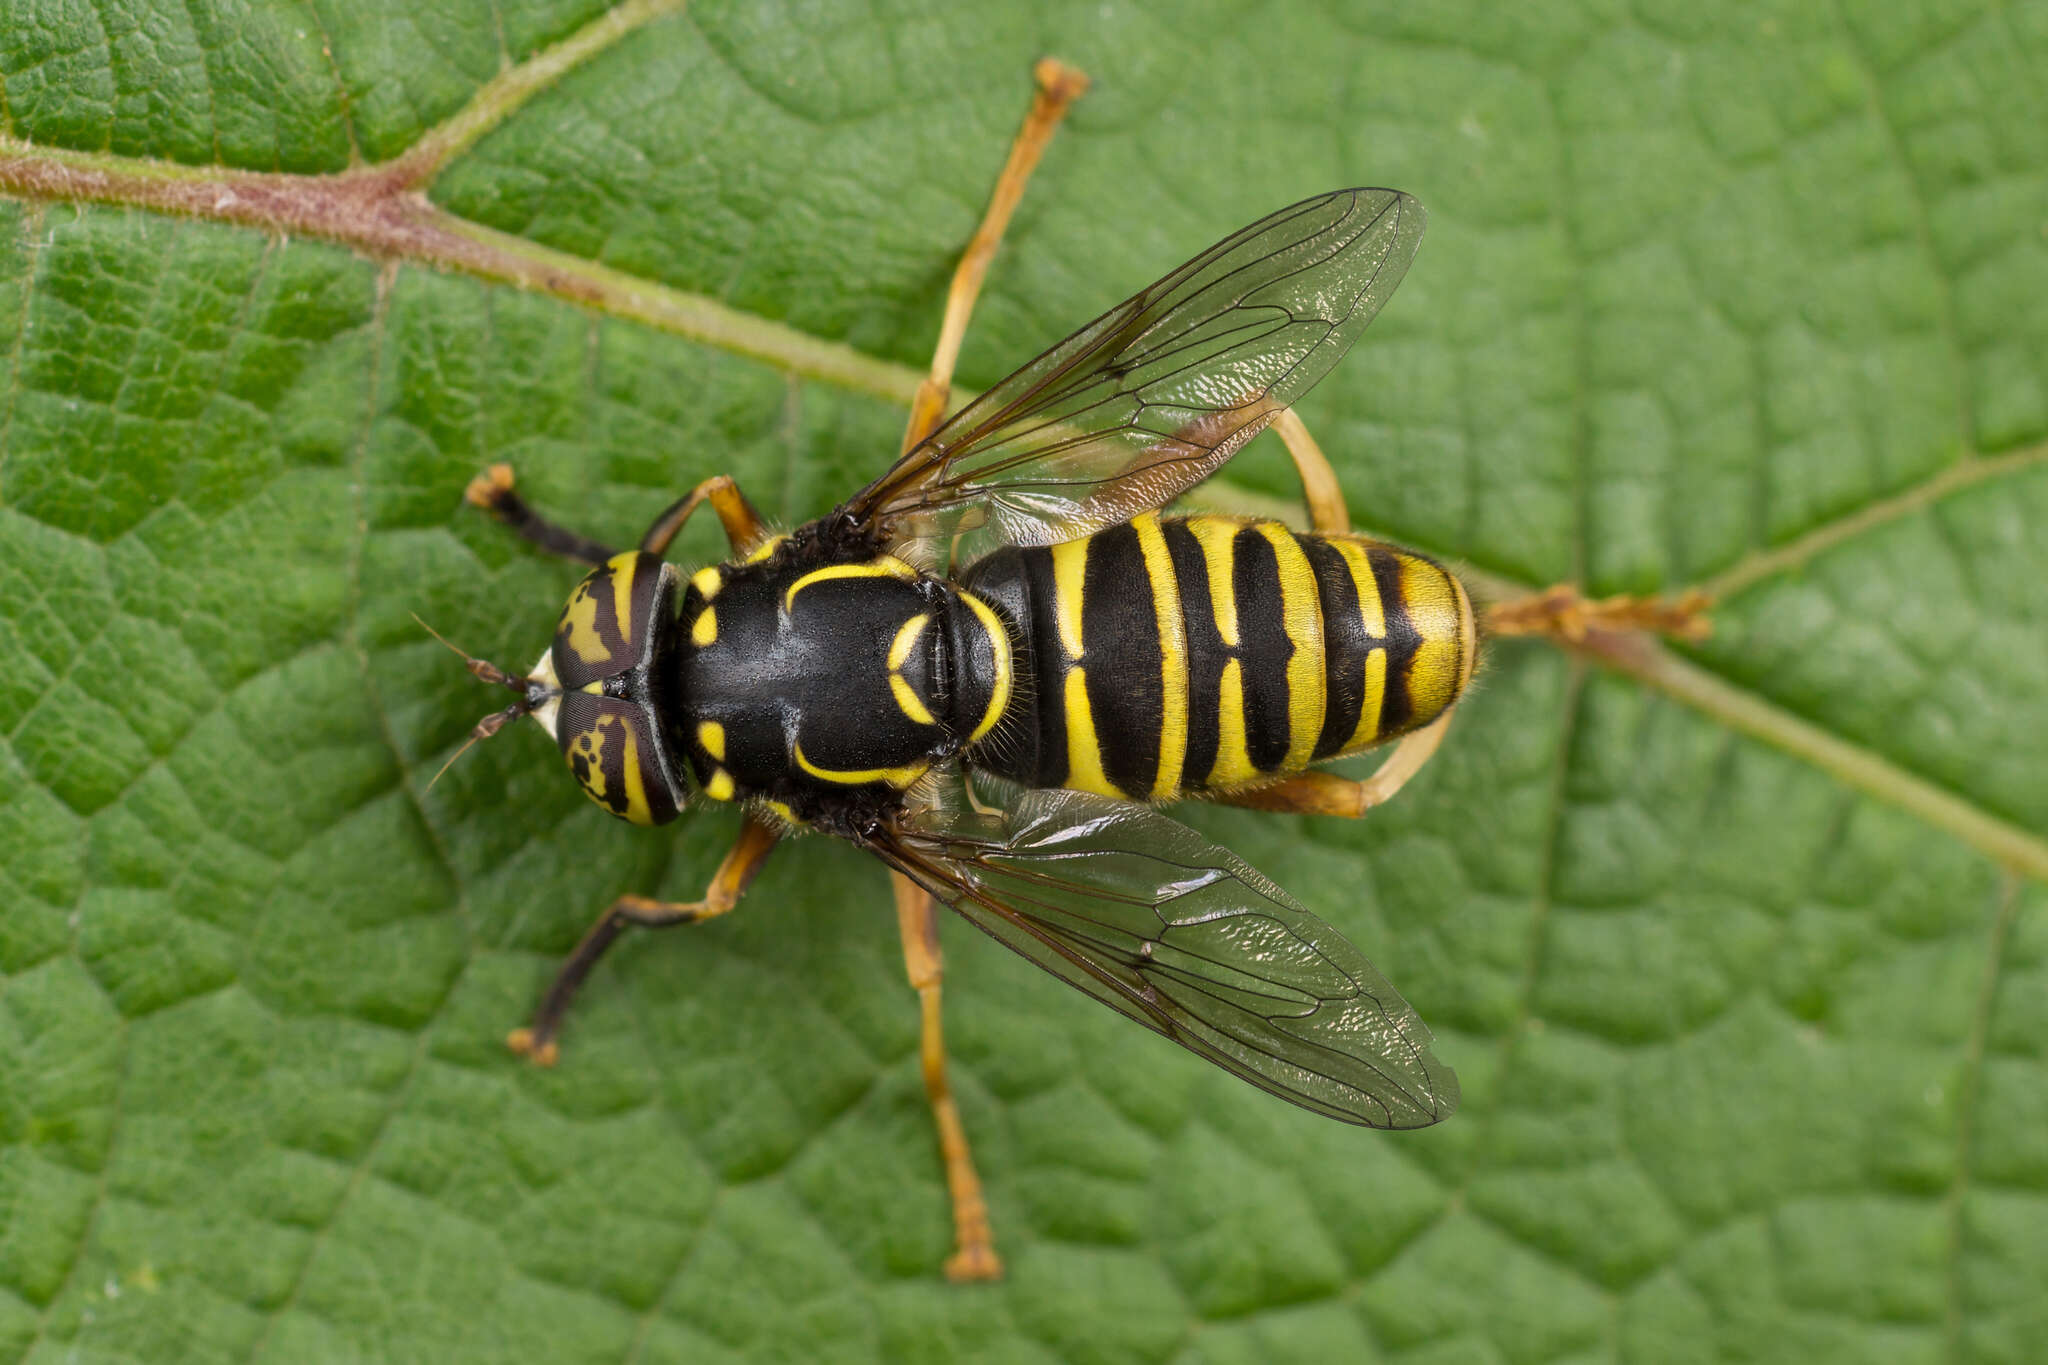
(1060, 80)
(974, 1263)
(520, 1041)
(486, 488)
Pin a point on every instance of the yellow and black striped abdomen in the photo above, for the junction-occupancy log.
(1172, 656)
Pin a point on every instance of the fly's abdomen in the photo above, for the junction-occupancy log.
(1167, 657)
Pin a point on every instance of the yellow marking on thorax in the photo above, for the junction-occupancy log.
(881, 566)
(704, 630)
(908, 701)
(711, 735)
(1173, 656)
(763, 550)
(906, 639)
(1233, 765)
(708, 581)
(1216, 537)
(782, 811)
(1435, 672)
(906, 696)
(999, 641)
(1301, 615)
(895, 777)
(720, 787)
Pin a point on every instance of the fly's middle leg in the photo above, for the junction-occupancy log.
(1059, 85)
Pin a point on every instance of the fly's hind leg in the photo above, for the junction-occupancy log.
(1317, 793)
(1327, 513)
(1565, 614)
(1561, 612)
(757, 839)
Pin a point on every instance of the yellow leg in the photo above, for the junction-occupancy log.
(743, 526)
(974, 1257)
(1316, 793)
(1059, 85)
(757, 840)
(1326, 510)
(1562, 613)
(1328, 794)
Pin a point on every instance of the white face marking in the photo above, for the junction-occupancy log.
(546, 712)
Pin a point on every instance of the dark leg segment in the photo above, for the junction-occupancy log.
(492, 491)
(728, 884)
(743, 526)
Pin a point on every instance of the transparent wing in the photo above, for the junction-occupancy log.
(1154, 395)
(1156, 922)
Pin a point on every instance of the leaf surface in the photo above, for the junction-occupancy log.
(1748, 1019)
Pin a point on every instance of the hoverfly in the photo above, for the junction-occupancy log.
(993, 664)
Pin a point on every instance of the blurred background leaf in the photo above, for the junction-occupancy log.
(1753, 1045)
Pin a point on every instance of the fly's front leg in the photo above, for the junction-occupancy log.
(1059, 85)
(743, 525)
(757, 839)
(974, 1256)
(492, 491)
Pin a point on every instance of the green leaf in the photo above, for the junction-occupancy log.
(1739, 950)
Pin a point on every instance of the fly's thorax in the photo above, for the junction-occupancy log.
(608, 718)
(794, 681)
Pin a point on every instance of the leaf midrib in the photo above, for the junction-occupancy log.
(383, 209)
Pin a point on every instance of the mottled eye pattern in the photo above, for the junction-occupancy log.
(612, 749)
(608, 624)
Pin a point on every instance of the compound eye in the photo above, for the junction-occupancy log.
(609, 625)
(617, 757)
